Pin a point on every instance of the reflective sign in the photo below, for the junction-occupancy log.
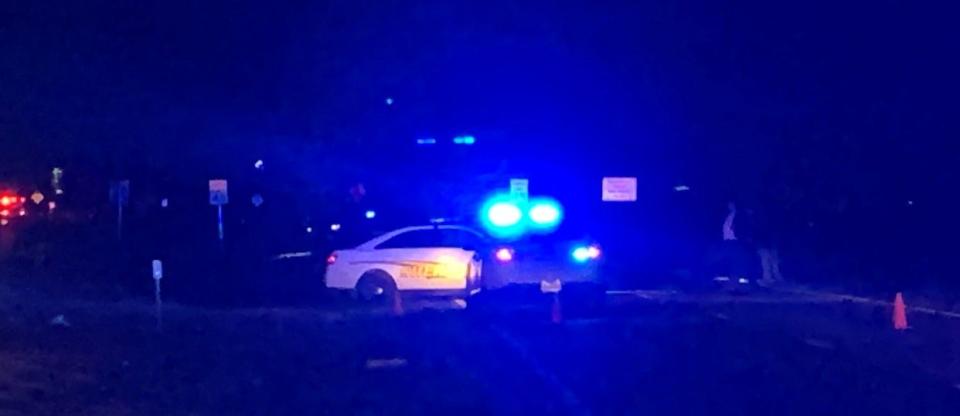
(218, 192)
(520, 188)
(623, 189)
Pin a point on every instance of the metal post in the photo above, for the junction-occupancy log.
(159, 306)
(119, 219)
(157, 275)
(220, 221)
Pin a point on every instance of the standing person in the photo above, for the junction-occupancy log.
(765, 237)
(729, 234)
(734, 262)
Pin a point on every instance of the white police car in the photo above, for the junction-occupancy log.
(435, 259)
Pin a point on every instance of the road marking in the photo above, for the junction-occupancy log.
(808, 297)
(293, 255)
(868, 301)
(720, 297)
(569, 398)
(644, 294)
(819, 343)
(376, 364)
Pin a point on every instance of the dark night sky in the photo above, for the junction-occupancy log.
(683, 88)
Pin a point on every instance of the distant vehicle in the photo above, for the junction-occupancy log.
(431, 259)
(12, 206)
(567, 257)
(532, 243)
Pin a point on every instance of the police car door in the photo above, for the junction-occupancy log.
(426, 259)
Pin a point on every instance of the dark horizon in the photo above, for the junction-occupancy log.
(680, 85)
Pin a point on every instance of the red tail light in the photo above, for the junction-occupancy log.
(7, 200)
(332, 258)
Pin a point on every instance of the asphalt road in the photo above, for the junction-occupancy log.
(743, 355)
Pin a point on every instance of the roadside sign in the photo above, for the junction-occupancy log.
(218, 197)
(551, 286)
(520, 188)
(218, 192)
(120, 192)
(620, 189)
(56, 180)
(157, 270)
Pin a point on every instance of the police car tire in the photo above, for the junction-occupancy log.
(370, 281)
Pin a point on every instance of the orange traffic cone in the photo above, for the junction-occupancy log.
(899, 313)
(397, 307)
(556, 315)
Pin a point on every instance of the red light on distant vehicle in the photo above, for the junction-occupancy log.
(504, 254)
(593, 252)
(4, 213)
(332, 258)
(7, 200)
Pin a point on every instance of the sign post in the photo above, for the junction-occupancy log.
(520, 189)
(157, 275)
(120, 194)
(218, 197)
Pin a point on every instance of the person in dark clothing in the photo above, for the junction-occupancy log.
(735, 259)
(765, 238)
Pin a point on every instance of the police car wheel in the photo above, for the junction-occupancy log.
(375, 285)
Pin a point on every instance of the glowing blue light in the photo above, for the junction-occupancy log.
(545, 214)
(581, 254)
(370, 214)
(426, 141)
(504, 214)
(468, 140)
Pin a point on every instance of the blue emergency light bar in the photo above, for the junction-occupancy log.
(506, 216)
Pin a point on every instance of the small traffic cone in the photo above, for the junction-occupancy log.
(899, 313)
(397, 307)
(556, 314)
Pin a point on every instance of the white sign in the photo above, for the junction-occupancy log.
(520, 189)
(620, 189)
(218, 192)
(551, 286)
(157, 270)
